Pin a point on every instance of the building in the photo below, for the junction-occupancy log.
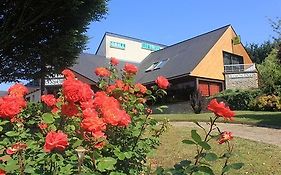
(210, 62)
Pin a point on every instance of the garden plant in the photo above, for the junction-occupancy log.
(78, 131)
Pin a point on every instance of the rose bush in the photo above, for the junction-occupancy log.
(204, 154)
(79, 131)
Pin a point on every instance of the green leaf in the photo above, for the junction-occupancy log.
(12, 165)
(211, 157)
(128, 155)
(195, 136)
(106, 163)
(116, 173)
(188, 142)
(1, 128)
(206, 169)
(77, 143)
(226, 169)
(11, 133)
(4, 122)
(204, 145)
(237, 166)
(48, 118)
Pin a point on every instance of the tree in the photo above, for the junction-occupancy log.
(270, 74)
(259, 52)
(38, 38)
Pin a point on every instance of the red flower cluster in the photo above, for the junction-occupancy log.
(2, 172)
(114, 61)
(225, 136)
(69, 109)
(56, 141)
(15, 148)
(49, 100)
(130, 68)
(68, 74)
(102, 72)
(141, 88)
(13, 103)
(17, 90)
(220, 109)
(76, 91)
(162, 82)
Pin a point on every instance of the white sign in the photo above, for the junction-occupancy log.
(54, 81)
(248, 75)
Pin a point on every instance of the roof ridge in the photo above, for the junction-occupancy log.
(120, 35)
(228, 25)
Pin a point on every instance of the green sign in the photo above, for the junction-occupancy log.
(236, 40)
(150, 47)
(117, 45)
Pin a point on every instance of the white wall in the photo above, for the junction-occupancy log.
(133, 51)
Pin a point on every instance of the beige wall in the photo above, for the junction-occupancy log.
(211, 66)
(132, 53)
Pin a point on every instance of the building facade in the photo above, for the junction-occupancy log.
(209, 63)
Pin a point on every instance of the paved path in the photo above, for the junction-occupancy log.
(262, 134)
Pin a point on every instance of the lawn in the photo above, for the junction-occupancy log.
(259, 158)
(272, 119)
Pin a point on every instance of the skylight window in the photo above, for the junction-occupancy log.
(160, 64)
(156, 65)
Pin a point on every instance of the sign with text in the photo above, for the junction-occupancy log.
(117, 45)
(151, 47)
(54, 80)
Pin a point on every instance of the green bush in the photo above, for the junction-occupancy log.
(266, 103)
(238, 99)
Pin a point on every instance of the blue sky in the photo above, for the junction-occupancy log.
(169, 22)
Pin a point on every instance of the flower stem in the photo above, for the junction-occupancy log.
(21, 163)
(205, 139)
(141, 131)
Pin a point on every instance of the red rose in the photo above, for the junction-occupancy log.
(49, 100)
(102, 72)
(70, 89)
(42, 125)
(93, 124)
(15, 148)
(225, 136)
(10, 106)
(111, 116)
(162, 82)
(56, 140)
(125, 119)
(110, 89)
(114, 61)
(68, 74)
(69, 109)
(140, 88)
(130, 68)
(89, 113)
(219, 109)
(17, 90)
(2, 172)
(85, 92)
(119, 84)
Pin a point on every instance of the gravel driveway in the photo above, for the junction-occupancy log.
(261, 134)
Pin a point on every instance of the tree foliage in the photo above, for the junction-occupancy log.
(43, 37)
(258, 52)
(270, 73)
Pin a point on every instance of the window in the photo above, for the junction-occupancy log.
(232, 63)
(156, 65)
(229, 59)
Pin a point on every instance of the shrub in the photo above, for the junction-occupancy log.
(238, 99)
(266, 103)
(81, 132)
(196, 102)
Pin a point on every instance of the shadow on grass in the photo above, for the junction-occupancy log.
(267, 119)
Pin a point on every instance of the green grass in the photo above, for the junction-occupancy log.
(259, 158)
(257, 118)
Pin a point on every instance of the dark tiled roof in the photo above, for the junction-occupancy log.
(3, 93)
(87, 63)
(183, 57)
